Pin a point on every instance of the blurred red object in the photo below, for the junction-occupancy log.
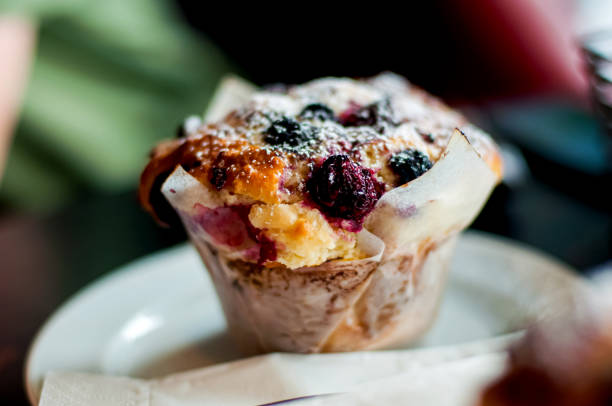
(528, 46)
(562, 362)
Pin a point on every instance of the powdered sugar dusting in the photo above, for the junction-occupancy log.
(265, 151)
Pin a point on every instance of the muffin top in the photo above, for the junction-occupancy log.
(333, 145)
(286, 144)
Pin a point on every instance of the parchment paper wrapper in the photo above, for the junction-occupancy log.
(389, 298)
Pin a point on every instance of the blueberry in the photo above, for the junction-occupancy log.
(289, 133)
(218, 177)
(409, 165)
(316, 111)
(343, 188)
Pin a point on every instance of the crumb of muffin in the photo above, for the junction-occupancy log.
(303, 235)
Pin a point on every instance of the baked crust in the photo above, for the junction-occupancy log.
(259, 172)
(310, 162)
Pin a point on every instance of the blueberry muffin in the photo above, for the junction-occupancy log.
(318, 208)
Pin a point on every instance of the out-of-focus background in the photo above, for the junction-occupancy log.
(87, 88)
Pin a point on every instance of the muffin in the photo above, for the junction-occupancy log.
(326, 213)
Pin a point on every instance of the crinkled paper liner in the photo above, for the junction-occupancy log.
(337, 306)
(387, 299)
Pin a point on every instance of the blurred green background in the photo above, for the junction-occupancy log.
(109, 79)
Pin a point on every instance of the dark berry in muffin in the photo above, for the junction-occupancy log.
(316, 111)
(409, 165)
(218, 177)
(343, 188)
(374, 114)
(288, 132)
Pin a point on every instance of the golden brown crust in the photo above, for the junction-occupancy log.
(248, 170)
(234, 154)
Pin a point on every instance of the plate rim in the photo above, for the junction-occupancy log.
(94, 285)
(125, 269)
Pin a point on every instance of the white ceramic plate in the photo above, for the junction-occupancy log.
(160, 314)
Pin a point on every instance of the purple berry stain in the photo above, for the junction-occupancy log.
(224, 225)
(357, 115)
(343, 189)
(375, 114)
(230, 226)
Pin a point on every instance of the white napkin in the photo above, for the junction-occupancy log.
(275, 377)
(455, 383)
